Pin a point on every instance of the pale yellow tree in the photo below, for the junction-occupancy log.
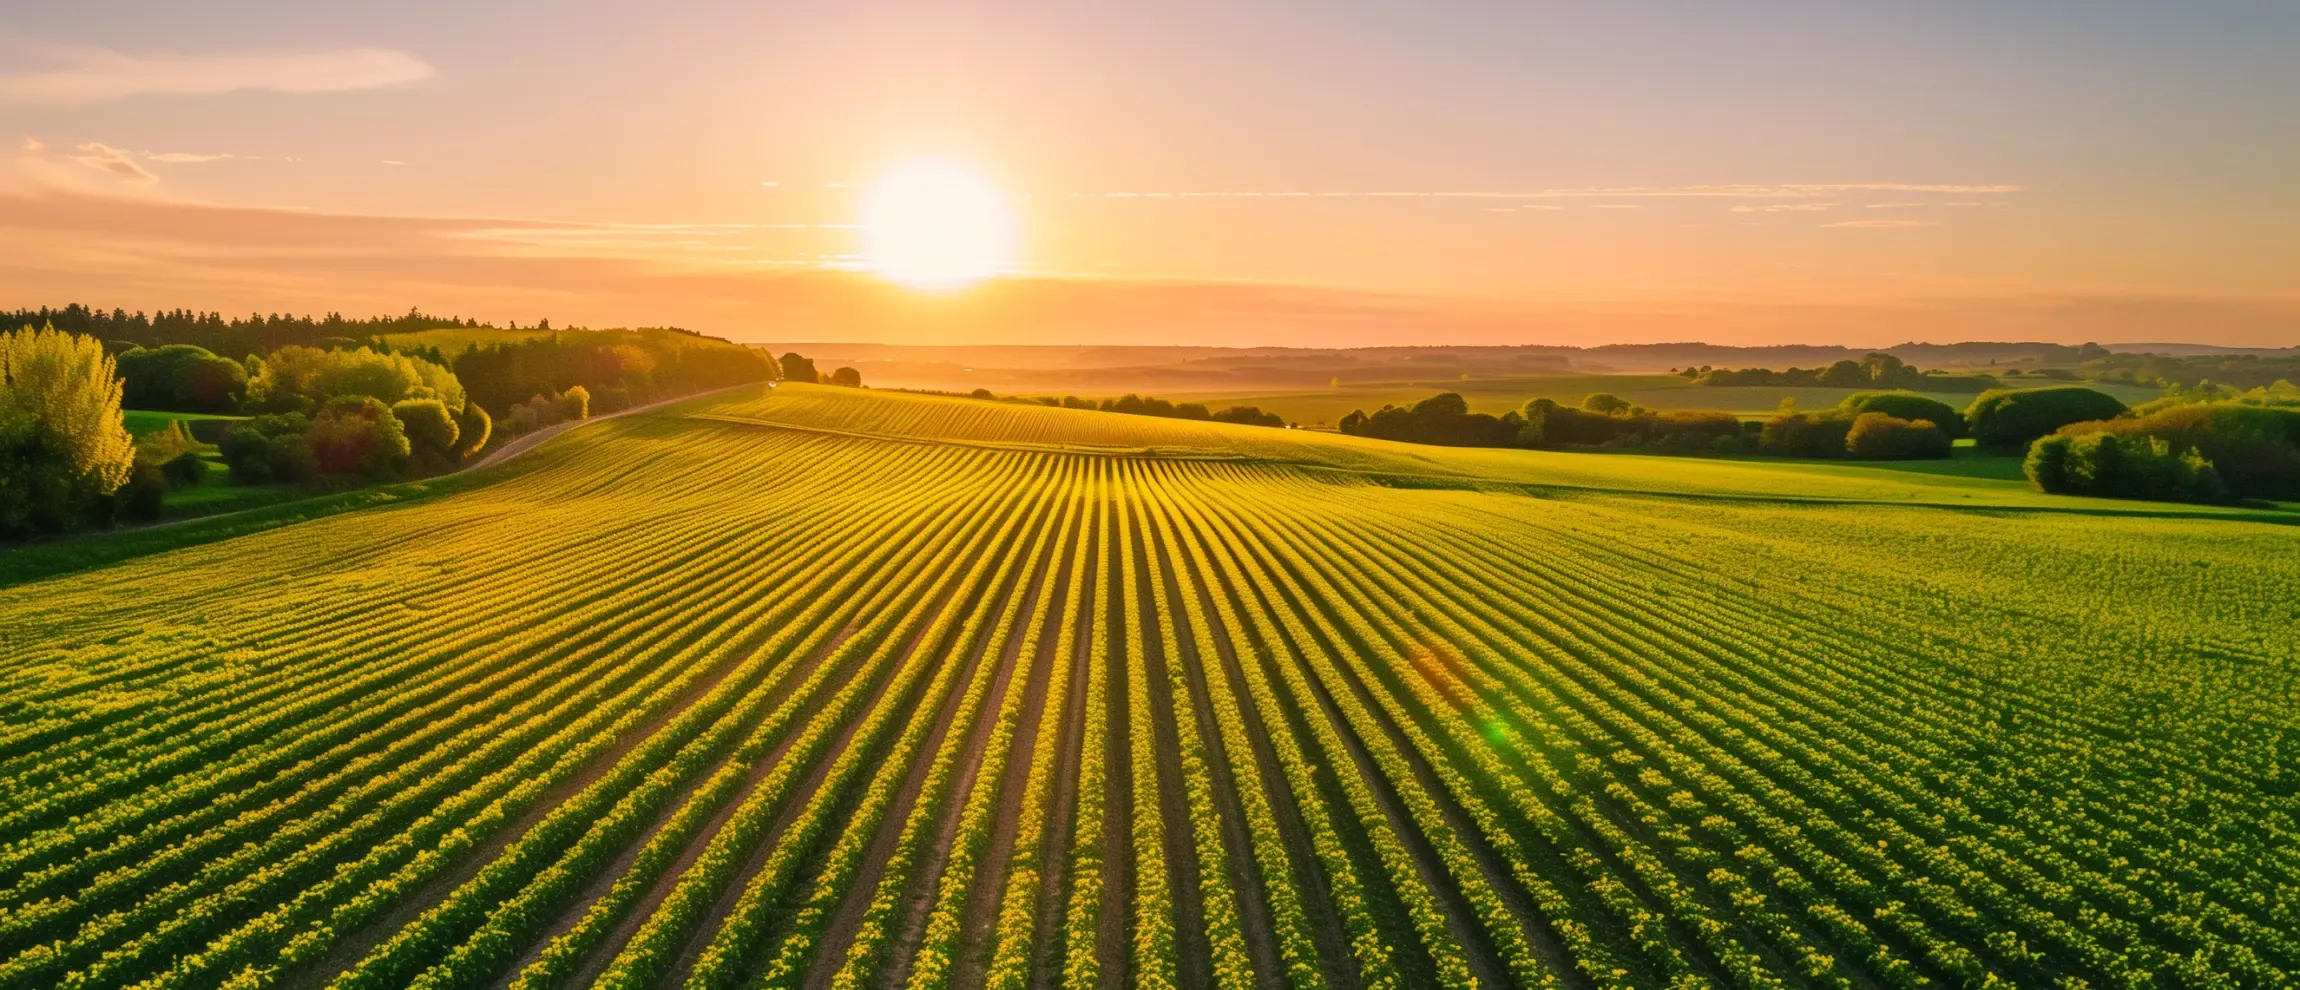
(62, 438)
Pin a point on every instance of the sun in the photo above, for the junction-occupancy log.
(936, 224)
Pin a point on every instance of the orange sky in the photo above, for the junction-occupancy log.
(1287, 174)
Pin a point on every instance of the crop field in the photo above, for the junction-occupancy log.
(823, 688)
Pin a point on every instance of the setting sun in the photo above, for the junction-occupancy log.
(936, 224)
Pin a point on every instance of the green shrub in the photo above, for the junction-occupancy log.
(185, 470)
(2007, 421)
(430, 428)
(357, 434)
(2254, 448)
(264, 449)
(2111, 466)
(472, 428)
(143, 496)
(1906, 405)
(1877, 436)
(1805, 435)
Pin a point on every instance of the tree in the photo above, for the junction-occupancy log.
(305, 378)
(64, 449)
(357, 434)
(2007, 421)
(181, 378)
(798, 369)
(847, 377)
(575, 403)
(1605, 404)
(472, 428)
(431, 430)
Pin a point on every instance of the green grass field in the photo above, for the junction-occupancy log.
(1324, 408)
(825, 687)
(143, 421)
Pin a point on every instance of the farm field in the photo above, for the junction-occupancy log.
(818, 687)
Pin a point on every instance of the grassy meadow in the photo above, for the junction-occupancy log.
(810, 686)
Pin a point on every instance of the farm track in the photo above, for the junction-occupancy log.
(692, 703)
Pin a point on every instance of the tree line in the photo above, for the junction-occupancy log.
(1132, 404)
(1875, 371)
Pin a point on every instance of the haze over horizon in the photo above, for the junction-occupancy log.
(1284, 173)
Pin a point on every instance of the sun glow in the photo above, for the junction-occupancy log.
(936, 224)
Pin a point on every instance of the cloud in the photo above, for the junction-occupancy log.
(1882, 224)
(1896, 206)
(182, 157)
(1785, 191)
(1784, 207)
(93, 75)
(105, 158)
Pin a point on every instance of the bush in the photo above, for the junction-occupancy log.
(430, 428)
(472, 429)
(1877, 436)
(798, 369)
(847, 377)
(266, 449)
(575, 403)
(144, 495)
(63, 448)
(1906, 405)
(2254, 449)
(2111, 466)
(181, 378)
(1805, 435)
(2007, 421)
(185, 470)
(357, 435)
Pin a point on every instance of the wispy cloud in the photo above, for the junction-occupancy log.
(1882, 224)
(105, 158)
(1789, 191)
(1784, 207)
(1897, 206)
(94, 75)
(182, 157)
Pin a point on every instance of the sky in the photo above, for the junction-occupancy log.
(1330, 173)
